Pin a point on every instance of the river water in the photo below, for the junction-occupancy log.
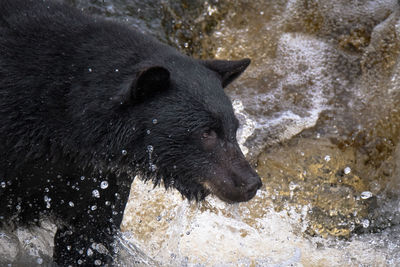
(320, 121)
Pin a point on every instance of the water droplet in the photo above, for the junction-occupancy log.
(347, 170)
(94, 207)
(148, 131)
(96, 193)
(293, 186)
(82, 178)
(39, 260)
(89, 252)
(116, 70)
(124, 152)
(108, 203)
(155, 121)
(365, 223)
(153, 167)
(71, 204)
(97, 262)
(366, 194)
(104, 185)
(150, 148)
(3, 184)
(327, 158)
(90, 69)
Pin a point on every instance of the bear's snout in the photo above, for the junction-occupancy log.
(253, 185)
(233, 180)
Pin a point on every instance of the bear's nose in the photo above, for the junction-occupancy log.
(254, 184)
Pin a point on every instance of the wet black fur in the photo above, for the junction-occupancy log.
(69, 120)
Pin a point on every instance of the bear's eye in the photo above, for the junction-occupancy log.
(209, 139)
(209, 133)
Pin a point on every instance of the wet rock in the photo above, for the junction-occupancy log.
(331, 194)
(187, 24)
(356, 40)
(325, 80)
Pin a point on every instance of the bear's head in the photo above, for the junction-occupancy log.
(172, 122)
(187, 128)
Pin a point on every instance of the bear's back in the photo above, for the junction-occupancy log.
(49, 53)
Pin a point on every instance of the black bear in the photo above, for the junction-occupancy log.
(86, 104)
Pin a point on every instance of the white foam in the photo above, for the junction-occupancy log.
(247, 125)
(304, 63)
(221, 236)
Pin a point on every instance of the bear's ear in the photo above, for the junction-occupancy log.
(146, 84)
(229, 70)
(150, 81)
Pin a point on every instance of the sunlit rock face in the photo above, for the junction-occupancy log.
(326, 72)
(320, 116)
